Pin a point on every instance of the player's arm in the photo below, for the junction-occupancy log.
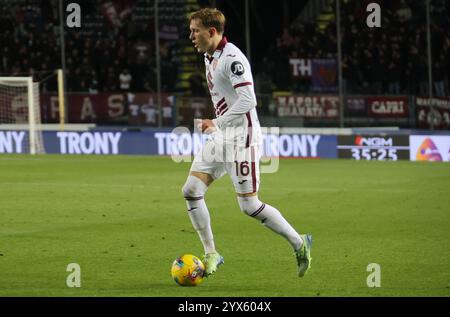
(245, 102)
(242, 81)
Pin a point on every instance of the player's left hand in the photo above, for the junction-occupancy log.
(207, 126)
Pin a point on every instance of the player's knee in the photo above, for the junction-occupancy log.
(194, 188)
(250, 205)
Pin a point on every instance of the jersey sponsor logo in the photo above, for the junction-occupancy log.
(237, 68)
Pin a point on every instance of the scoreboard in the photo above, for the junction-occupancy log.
(374, 147)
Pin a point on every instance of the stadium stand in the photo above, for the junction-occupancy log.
(116, 44)
(389, 60)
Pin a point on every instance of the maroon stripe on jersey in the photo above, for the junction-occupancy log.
(247, 83)
(220, 108)
(223, 110)
(252, 149)
(193, 198)
(249, 129)
(258, 211)
(220, 103)
(219, 114)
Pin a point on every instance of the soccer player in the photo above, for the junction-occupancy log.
(236, 134)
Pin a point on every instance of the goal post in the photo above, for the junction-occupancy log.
(20, 110)
(61, 99)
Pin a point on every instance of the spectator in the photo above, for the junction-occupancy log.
(125, 79)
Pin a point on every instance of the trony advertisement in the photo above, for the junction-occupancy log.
(162, 143)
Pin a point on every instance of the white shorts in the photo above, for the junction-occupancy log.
(241, 163)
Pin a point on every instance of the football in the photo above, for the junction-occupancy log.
(188, 270)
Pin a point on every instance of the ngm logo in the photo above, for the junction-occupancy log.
(373, 141)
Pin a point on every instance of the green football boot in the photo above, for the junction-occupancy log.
(304, 255)
(212, 261)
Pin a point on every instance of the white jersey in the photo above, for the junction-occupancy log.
(230, 82)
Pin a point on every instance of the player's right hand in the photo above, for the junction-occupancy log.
(206, 126)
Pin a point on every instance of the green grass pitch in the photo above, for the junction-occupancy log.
(123, 220)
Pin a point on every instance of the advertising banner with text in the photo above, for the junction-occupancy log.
(308, 106)
(374, 147)
(128, 108)
(440, 116)
(163, 143)
(327, 106)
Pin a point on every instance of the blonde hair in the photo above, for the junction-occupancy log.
(210, 17)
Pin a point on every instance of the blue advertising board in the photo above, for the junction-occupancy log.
(162, 143)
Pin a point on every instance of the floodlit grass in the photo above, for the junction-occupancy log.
(123, 220)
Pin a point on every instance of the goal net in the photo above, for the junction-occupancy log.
(20, 115)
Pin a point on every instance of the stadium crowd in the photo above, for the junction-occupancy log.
(387, 60)
(108, 53)
(111, 56)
